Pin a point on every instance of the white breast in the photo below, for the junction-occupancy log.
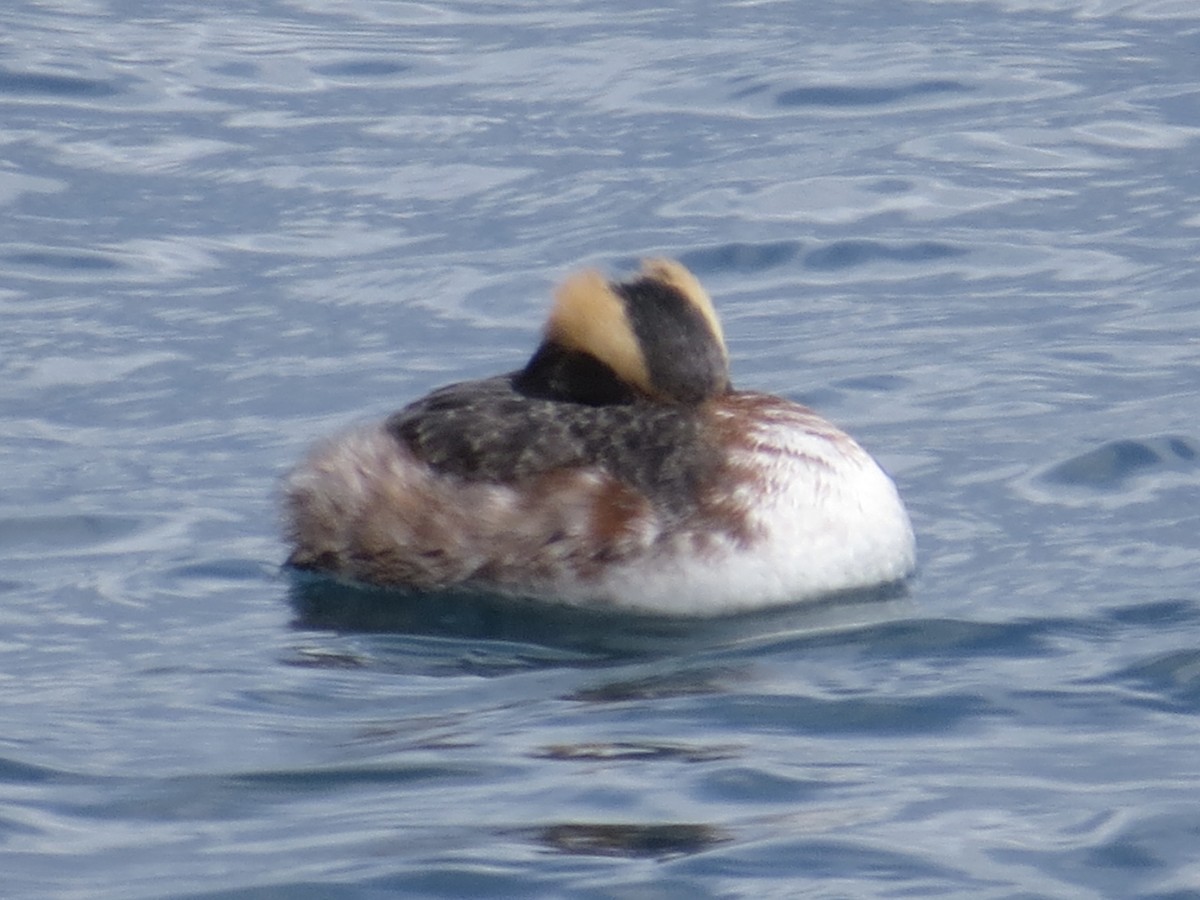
(825, 516)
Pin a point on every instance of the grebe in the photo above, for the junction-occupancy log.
(618, 468)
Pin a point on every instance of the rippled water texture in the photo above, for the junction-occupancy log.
(965, 230)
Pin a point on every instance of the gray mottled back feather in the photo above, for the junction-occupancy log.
(490, 431)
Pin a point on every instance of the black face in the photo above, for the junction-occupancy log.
(684, 359)
(556, 373)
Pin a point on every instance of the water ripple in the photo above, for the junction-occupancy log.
(49, 84)
(841, 96)
(1109, 467)
(1173, 676)
(850, 253)
(631, 841)
(740, 257)
(1120, 472)
(229, 228)
(363, 68)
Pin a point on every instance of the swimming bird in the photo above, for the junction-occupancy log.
(617, 469)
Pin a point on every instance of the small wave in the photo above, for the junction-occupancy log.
(64, 260)
(46, 84)
(653, 841)
(65, 532)
(1174, 677)
(851, 253)
(866, 95)
(363, 68)
(1110, 466)
(740, 257)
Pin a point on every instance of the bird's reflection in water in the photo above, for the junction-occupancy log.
(326, 604)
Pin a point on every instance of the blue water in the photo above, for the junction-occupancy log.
(967, 231)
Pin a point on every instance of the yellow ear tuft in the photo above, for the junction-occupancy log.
(675, 274)
(590, 317)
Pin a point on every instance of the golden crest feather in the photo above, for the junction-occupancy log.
(589, 316)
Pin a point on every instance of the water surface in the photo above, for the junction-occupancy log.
(966, 231)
